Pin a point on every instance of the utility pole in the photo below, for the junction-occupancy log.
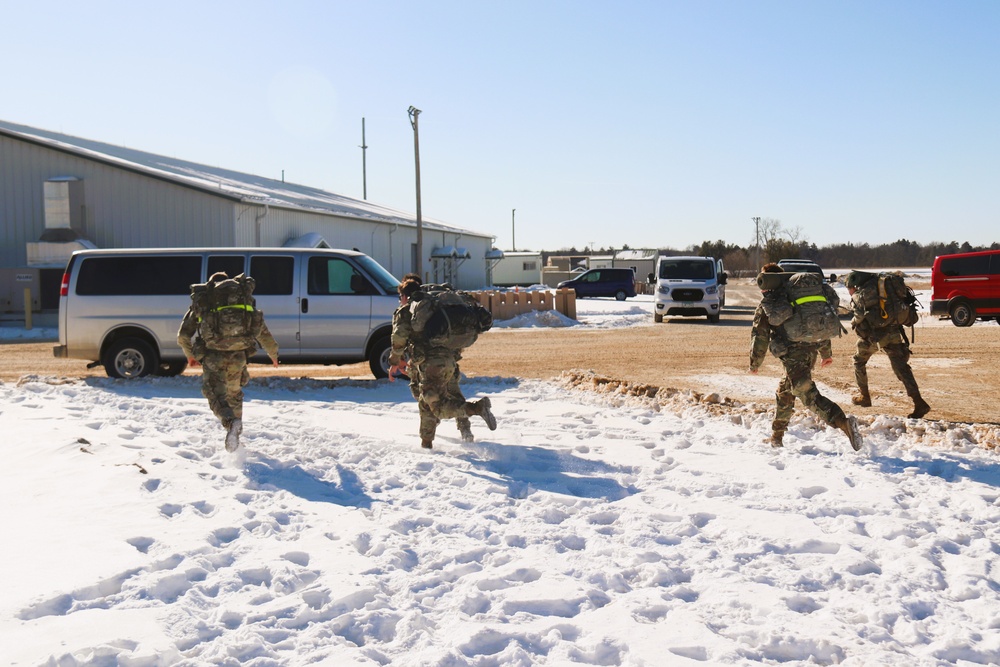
(364, 162)
(756, 246)
(414, 112)
(513, 245)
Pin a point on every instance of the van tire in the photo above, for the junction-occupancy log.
(172, 367)
(620, 295)
(378, 357)
(963, 314)
(714, 319)
(657, 318)
(129, 358)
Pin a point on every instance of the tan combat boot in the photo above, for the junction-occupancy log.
(776, 437)
(862, 398)
(233, 435)
(465, 430)
(849, 425)
(426, 443)
(483, 406)
(920, 408)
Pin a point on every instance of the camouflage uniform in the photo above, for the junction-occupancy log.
(434, 381)
(891, 340)
(224, 374)
(798, 360)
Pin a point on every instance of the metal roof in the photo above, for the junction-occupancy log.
(225, 182)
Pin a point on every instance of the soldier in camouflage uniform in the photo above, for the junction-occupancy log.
(891, 339)
(224, 373)
(799, 359)
(434, 375)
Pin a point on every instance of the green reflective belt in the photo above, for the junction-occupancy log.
(237, 306)
(808, 299)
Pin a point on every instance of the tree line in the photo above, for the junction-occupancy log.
(776, 242)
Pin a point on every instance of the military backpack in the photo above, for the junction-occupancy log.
(444, 317)
(226, 312)
(814, 304)
(887, 300)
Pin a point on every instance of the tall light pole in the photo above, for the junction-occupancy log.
(756, 246)
(513, 245)
(414, 112)
(364, 161)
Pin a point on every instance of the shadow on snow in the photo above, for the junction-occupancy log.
(349, 492)
(526, 468)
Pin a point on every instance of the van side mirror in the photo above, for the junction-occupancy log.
(723, 278)
(651, 278)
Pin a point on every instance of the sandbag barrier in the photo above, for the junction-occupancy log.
(507, 305)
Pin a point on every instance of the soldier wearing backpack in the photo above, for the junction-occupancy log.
(882, 306)
(401, 322)
(795, 320)
(432, 325)
(220, 331)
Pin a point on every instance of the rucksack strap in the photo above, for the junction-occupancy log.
(237, 306)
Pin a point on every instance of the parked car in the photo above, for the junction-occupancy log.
(801, 266)
(619, 283)
(966, 287)
(689, 287)
(121, 308)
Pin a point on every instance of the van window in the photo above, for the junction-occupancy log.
(328, 275)
(385, 280)
(232, 265)
(273, 275)
(135, 276)
(966, 266)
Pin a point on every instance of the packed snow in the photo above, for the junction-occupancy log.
(601, 524)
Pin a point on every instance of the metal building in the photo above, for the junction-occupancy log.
(60, 193)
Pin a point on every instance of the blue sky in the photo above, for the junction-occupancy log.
(651, 124)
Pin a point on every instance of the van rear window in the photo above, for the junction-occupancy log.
(137, 276)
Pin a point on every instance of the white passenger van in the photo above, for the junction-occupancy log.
(122, 308)
(689, 286)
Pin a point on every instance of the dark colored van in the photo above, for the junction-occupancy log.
(619, 283)
(966, 287)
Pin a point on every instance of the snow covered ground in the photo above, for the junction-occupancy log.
(595, 526)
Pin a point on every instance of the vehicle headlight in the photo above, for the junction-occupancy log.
(714, 289)
(663, 289)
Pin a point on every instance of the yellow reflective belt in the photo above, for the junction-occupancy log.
(237, 306)
(808, 299)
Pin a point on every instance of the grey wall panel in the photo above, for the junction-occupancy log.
(126, 208)
(123, 208)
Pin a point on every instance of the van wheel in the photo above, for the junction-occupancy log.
(714, 319)
(130, 358)
(657, 317)
(378, 357)
(963, 314)
(620, 295)
(171, 368)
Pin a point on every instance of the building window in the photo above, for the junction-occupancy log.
(529, 266)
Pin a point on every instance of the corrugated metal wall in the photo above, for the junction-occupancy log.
(122, 209)
(125, 209)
